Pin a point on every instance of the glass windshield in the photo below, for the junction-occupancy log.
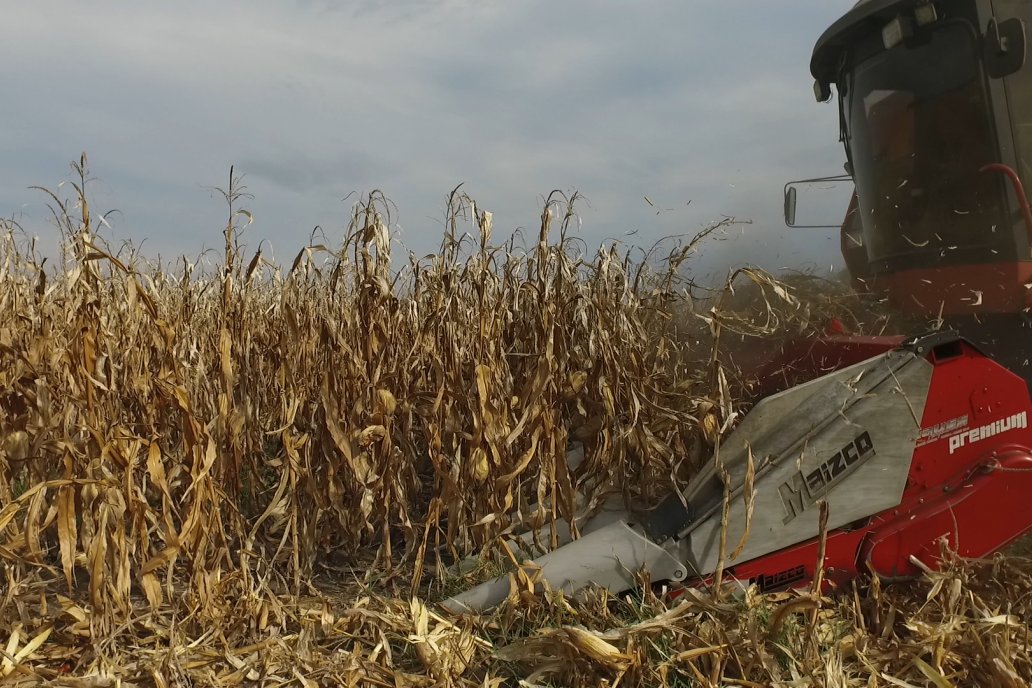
(1019, 91)
(919, 131)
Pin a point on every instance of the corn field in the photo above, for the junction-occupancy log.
(253, 474)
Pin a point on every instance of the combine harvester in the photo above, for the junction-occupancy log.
(910, 441)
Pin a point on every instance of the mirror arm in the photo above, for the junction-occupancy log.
(1019, 189)
(790, 200)
(1000, 40)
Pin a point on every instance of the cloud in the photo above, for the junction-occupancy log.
(707, 102)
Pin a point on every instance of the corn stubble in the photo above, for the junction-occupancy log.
(258, 475)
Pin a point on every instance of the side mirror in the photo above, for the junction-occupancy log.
(821, 91)
(790, 205)
(1004, 47)
(821, 196)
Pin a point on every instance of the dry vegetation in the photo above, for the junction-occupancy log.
(259, 475)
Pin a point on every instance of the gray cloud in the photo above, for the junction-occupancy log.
(326, 174)
(706, 101)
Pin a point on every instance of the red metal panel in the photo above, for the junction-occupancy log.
(975, 518)
(959, 289)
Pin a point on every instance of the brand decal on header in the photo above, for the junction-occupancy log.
(1018, 421)
(801, 491)
(941, 430)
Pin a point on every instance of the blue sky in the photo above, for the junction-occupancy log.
(701, 101)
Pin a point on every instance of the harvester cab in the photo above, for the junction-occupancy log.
(903, 444)
(935, 116)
